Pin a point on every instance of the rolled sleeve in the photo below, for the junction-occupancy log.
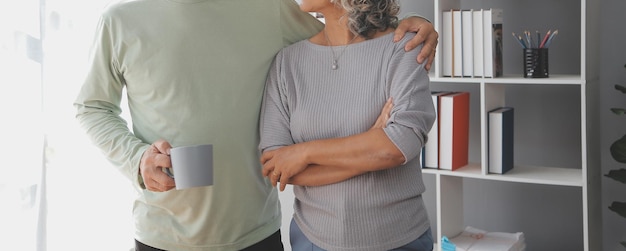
(275, 116)
(413, 114)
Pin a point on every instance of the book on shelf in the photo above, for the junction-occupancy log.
(457, 43)
(454, 130)
(467, 42)
(501, 141)
(492, 31)
(478, 44)
(430, 152)
(446, 40)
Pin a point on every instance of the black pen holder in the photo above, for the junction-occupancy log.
(536, 63)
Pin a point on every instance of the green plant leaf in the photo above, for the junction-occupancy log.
(619, 208)
(620, 88)
(618, 111)
(618, 175)
(618, 150)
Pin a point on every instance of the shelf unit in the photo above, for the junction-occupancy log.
(582, 174)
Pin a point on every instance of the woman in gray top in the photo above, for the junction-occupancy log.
(357, 181)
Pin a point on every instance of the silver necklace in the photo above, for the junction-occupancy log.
(336, 57)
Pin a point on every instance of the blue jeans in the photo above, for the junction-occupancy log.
(299, 242)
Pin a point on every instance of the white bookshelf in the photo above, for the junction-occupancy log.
(578, 169)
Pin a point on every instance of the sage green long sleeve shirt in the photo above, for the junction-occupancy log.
(194, 72)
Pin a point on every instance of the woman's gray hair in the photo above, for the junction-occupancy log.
(365, 17)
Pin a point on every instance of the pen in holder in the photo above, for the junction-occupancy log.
(536, 63)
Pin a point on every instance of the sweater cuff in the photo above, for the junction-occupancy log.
(135, 171)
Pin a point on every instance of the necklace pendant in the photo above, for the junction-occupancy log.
(335, 66)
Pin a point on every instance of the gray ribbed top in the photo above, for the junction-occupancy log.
(306, 100)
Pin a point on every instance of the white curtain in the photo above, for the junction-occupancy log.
(57, 192)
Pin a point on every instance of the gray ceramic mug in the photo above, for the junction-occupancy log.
(192, 166)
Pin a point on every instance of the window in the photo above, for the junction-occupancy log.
(57, 190)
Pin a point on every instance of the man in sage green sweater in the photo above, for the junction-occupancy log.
(194, 73)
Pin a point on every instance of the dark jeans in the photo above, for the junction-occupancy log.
(272, 243)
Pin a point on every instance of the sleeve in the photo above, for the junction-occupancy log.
(98, 107)
(413, 14)
(275, 114)
(413, 113)
(295, 24)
